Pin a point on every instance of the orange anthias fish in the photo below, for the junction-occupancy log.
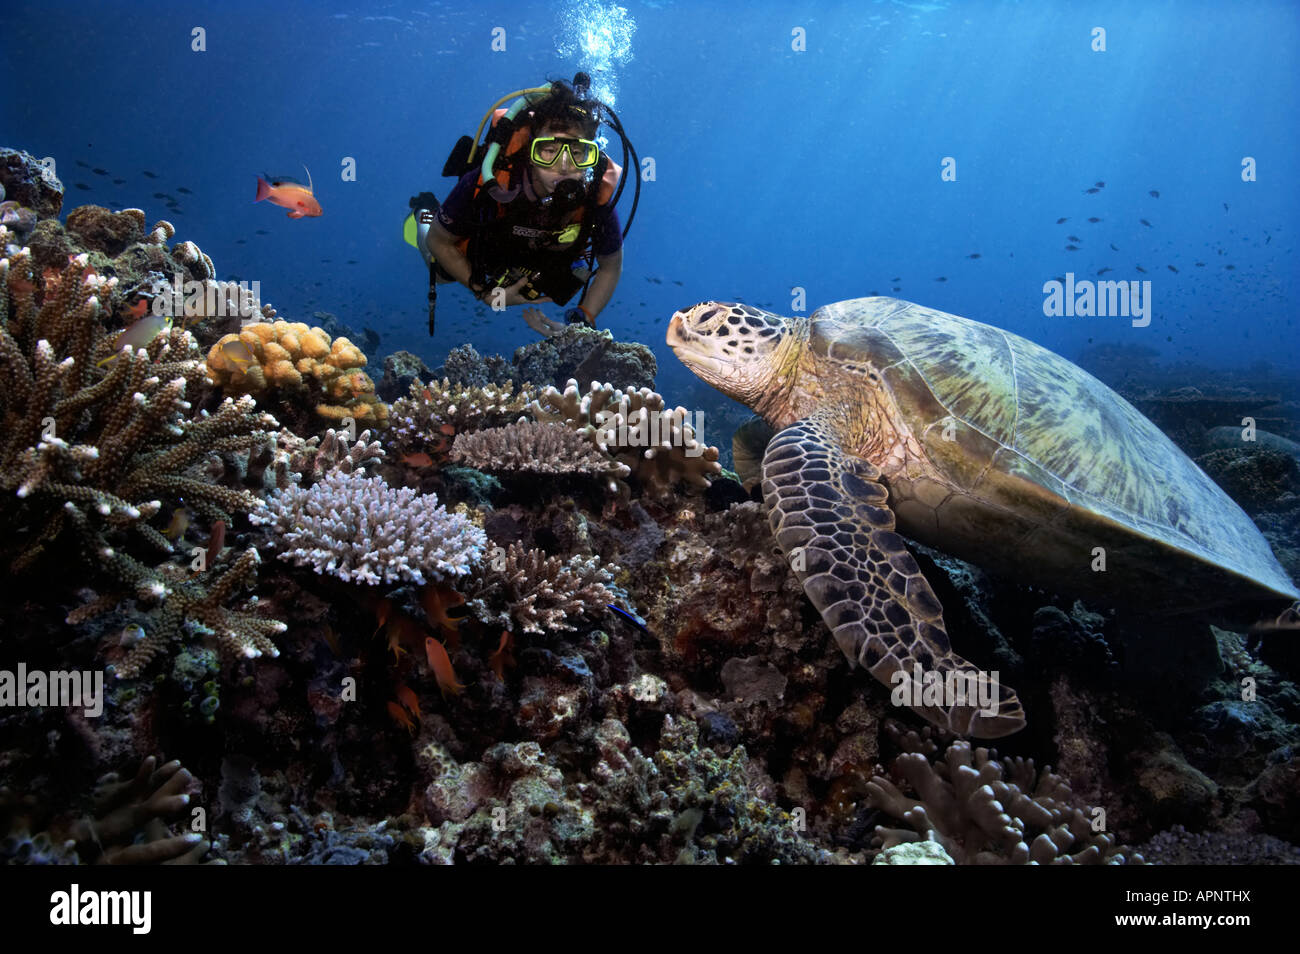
(418, 459)
(401, 717)
(502, 657)
(403, 629)
(442, 608)
(440, 663)
(289, 194)
(409, 700)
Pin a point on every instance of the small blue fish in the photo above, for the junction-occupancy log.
(635, 620)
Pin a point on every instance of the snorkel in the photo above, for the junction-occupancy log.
(490, 158)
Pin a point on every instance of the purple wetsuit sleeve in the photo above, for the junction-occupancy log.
(455, 214)
(607, 235)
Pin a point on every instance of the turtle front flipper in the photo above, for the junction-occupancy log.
(831, 516)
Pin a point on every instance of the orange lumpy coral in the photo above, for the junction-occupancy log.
(285, 356)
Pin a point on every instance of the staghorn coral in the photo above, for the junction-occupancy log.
(289, 357)
(527, 590)
(89, 454)
(421, 422)
(984, 811)
(128, 824)
(100, 449)
(283, 459)
(359, 528)
(187, 608)
(635, 429)
(533, 448)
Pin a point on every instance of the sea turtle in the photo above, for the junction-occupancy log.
(977, 442)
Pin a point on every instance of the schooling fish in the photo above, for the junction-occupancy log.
(1094, 219)
(1145, 222)
(401, 717)
(1090, 191)
(1154, 194)
(289, 194)
(440, 663)
(1074, 238)
(1072, 248)
(1062, 221)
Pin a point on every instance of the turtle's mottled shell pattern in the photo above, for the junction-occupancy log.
(1037, 415)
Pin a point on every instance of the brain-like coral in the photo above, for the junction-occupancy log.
(290, 356)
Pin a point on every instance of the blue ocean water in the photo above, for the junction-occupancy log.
(794, 145)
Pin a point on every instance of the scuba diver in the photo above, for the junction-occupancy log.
(534, 220)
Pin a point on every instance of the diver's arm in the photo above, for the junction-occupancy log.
(603, 283)
(443, 246)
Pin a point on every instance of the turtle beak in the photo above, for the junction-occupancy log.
(689, 350)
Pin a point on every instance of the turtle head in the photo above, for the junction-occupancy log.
(736, 348)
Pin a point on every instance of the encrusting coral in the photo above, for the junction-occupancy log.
(287, 357)
(983, 810)
(529, 591)
(360, 529)
(634, 428)
(534, 448)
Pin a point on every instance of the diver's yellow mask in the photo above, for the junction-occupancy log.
(546, 151)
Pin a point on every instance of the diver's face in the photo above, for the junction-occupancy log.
(545, 179)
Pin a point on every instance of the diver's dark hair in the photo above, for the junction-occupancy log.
(564, 107)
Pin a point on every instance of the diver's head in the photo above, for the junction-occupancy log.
(563, 147)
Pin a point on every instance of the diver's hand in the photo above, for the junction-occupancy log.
(511, 295)
(541, 324)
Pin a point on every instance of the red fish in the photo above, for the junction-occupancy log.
(401, 717)
(409, 700)
(440, 663)
(502, 657)
(441, 607)
(418, 459)
(289, 194)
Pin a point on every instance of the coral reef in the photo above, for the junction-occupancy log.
(189, 608)
(528, 591)
(425, 421)
(466, 367)
(401, 370)
(289, 357)
(636, 429)
(29, 182)
(533, 448)
(358, 528)
(687, 805)
(127, 824)
(283, 458)
(586, 354)
(92, 454)
(985, 811)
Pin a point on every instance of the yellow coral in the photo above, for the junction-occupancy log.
(282, 355)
